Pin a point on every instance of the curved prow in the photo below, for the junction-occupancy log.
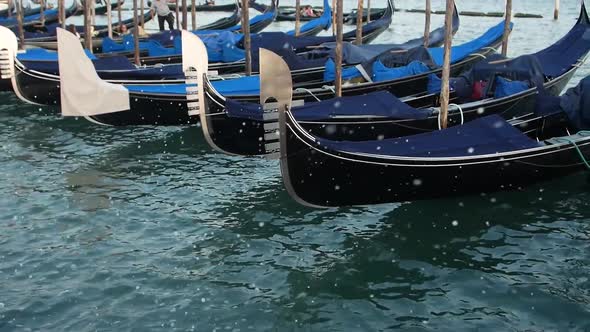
(195, 64)
(276, 93)
(82, 92)
(8, 50)
(456, 20)
(583, 15)
(276, 84)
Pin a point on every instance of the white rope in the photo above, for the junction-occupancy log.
(478, 54)
(308, 91)
(460, 111)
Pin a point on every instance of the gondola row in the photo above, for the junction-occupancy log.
(380, 142)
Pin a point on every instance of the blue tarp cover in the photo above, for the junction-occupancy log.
(172, 89)
(575, 103)
(486, 135)
(247, 85)
(559, 57)
(41, 54)
(382, 73)
(462, 51)
(7, 21)
(375, 104)
(505, 87)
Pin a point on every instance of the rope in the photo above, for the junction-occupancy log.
(460, 111)
(308, 91)
(573, 142)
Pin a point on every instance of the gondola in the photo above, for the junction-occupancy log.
(352, 16)
(101, 7)
(48, 40)
(26, 11)
(51, 15)
(485, 155)
(315, 26)
(370, 31)
(404, 83)
(83, 93)
(260, 22)
(238, 128)
(224, 23)
(37, 76)
(206, 8)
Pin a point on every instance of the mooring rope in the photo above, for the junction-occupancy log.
(573, 142)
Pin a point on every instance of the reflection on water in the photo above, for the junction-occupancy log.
(149, 229)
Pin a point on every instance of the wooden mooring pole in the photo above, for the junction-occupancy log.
(446, 70)
(135, 35)
(507, 27)
(246, 32)
(109, 18)
(427, 14)
(359, 23)
(556, 11)
(338, 60)
(184, 15)
(194, 14)
(297, 16)
(19, 20)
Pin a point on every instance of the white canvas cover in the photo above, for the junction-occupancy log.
(83, 93)
(194, 57)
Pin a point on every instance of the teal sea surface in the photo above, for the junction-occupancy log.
(147, 228)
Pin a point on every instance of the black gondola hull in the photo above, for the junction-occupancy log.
(326, 178)
(151, 110)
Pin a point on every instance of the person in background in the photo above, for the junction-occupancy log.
(308, 11)
(123, 29)
(72, 28)
(160, 7)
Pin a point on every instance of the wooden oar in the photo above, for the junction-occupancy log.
(427, 14)
(446, 70)
(507, 27)
(246, 32)
(359, 23)
(338, 60)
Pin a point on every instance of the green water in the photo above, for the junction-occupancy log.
(139, 229)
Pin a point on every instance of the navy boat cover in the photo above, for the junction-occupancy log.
(486, 135)
(378, 104)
